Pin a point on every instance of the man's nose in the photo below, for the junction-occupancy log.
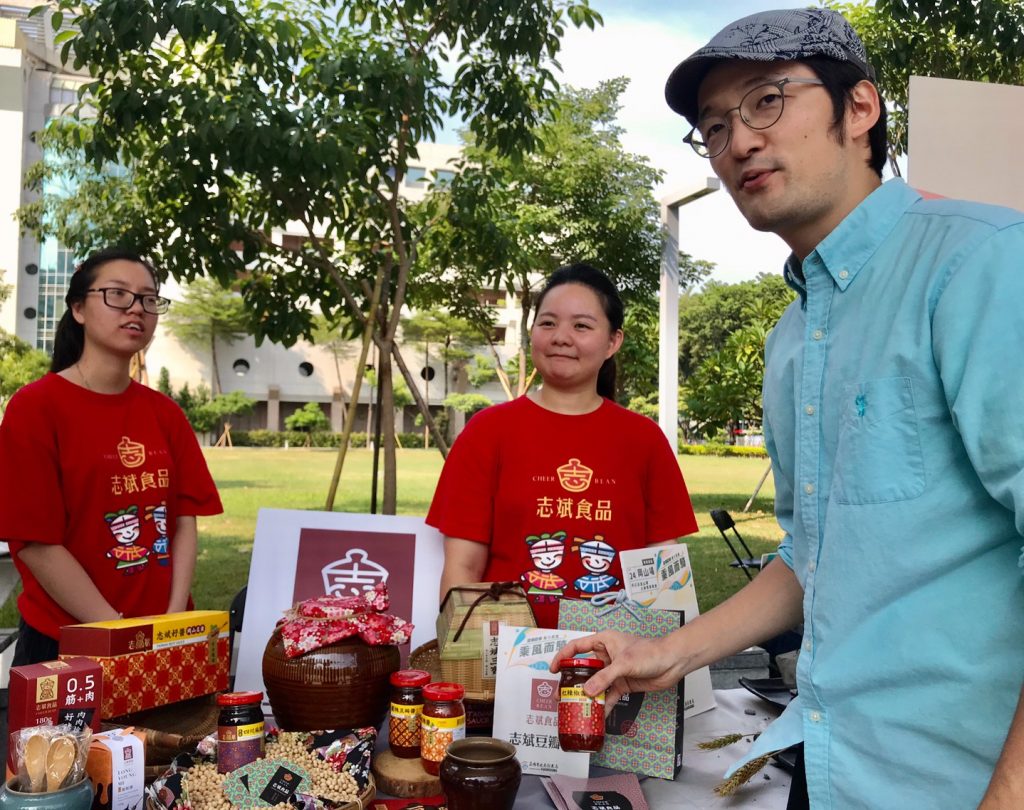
(743, 140)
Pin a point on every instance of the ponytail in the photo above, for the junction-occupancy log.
(68, 342)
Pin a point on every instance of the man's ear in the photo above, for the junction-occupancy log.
(862, 109)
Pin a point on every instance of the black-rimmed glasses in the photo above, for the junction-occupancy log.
(116, 298)
(759, 108)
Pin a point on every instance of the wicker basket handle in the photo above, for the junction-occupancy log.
(493, 592)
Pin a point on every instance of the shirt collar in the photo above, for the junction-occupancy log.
(852, 243)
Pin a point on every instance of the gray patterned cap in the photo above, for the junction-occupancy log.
(768, 36)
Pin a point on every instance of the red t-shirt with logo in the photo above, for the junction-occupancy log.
(557, 496)
(107, 476)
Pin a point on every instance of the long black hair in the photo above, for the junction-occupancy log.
(611, 303)
(69, 337)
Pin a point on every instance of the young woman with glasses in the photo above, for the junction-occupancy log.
(101, 478)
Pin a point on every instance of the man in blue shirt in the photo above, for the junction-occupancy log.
(893, 402)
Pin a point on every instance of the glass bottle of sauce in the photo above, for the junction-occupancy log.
(443, 721)
(580, 716)
(239, 730)
(406, 709)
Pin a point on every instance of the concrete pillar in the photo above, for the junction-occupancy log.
(337, 411)
(274, 408)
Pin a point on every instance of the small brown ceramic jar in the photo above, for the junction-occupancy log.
(480, 773)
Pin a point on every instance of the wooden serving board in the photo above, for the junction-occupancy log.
(403, 778)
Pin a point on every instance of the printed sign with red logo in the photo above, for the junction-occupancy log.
(300, 555)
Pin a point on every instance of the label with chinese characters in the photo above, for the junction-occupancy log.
(527, 714)
(661, 578)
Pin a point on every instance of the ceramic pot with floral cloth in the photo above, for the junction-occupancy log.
(328, 662)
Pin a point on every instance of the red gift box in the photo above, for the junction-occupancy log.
(154, 660)
(51, 693)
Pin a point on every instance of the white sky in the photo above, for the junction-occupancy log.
(644, 40)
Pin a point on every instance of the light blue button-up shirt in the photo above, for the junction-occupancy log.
(894, 416)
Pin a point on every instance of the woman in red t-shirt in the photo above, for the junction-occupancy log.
(102, 478)
(548, 488)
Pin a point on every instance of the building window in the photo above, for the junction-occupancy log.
(415, 176)
(306, 369)
(498, 335)
(428, 373)
(444, 177)
(56, 264)
(63, 93)
(240, 367)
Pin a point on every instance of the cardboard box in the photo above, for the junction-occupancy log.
(154, 660)
(51, 693)
(116, 766)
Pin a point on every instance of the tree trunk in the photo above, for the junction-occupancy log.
(386, 409)
(213, 359)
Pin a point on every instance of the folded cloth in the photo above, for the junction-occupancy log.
(316, 623)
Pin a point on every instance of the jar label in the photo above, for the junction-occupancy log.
(580, 714)
(437, 733)
(404, 710)
(238, 746)
(404, 725)
(575, 694)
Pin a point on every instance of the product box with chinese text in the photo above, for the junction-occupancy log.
(52, 693)
(154, 660)
(661, 578)
(116, 766)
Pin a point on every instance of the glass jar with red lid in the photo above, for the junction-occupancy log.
(406, 710)
(239, 730)
(580, 716)
(442, 722)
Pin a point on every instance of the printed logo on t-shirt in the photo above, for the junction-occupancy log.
(125, 527)
(575, 476)
(547, 551)
(132, 454)
(158, 514)
(597, 557)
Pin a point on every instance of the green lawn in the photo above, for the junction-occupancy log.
(250, 478)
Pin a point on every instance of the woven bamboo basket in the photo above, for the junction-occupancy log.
(464, 612)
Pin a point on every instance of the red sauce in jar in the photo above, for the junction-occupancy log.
(580, 716)
(442, 722)
(406, 709)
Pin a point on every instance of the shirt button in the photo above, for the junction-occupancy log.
(815, 717)
(844, 274)
(809, 410)
(812, 566)
(807, 646)
(809, 489)
(818, 334)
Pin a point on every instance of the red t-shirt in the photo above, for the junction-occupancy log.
(557, 497)
(107, 476)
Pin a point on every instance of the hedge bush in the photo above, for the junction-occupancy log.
(715, 449)
(295, 438)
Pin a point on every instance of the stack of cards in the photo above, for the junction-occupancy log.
(264, 783)
(619, 792)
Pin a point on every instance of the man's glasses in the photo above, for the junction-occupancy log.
(760, 108)
(116, 298)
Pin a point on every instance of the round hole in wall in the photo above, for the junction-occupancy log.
(30, 312)
(31, 269)
(240, 367)
(427, 373)
(306, 369)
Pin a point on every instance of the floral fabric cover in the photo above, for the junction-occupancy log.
(325, 620)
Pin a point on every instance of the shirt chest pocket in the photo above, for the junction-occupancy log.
(878, 455)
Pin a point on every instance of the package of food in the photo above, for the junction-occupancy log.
(117, 769)
(154, 660)
(49, 758)
(52, 693)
